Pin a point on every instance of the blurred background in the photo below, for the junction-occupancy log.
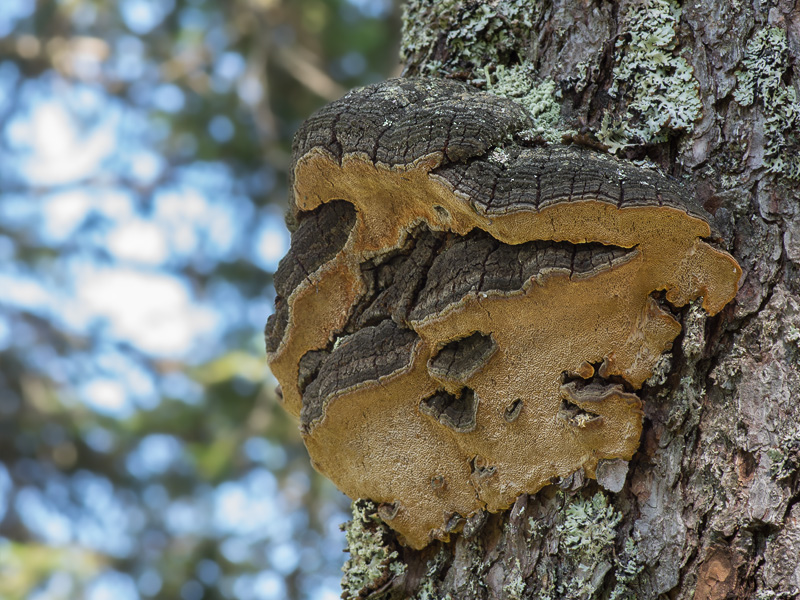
(144, 149)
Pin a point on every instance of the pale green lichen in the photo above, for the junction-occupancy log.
(371, 559)
(586, 539)
(515, 585)
(661, 371)
(694, 325)
(536, 528)
(473, 34)
(761, 82)
(474, 40)
(785, 456)
(613, 133)
(499, 156)
(538, 99)
(793, 335)
(588, 555)
(588, 532)
(657, 89)
(770, 595)
(579, 77)
(428, 592)
(427, 587)
(544, 580)
(628, 566)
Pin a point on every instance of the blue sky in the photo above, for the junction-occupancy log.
(75, 165)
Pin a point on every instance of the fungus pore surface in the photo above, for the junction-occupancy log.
(457, 325)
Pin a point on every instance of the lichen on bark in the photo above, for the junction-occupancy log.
(760, 84)
(653, 84)
(487, 33)
(588, 534)
(373, 559)
(490, 36)
(540, 100)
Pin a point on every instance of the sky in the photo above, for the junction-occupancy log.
(134, 294)
(122, 285)
(71, 161)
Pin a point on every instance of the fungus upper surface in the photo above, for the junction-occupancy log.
(454, 329)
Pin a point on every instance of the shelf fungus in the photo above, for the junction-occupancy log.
(463, 318)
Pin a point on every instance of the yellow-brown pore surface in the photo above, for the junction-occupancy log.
(373, 442)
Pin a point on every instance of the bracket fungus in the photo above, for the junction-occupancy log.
(462, 317)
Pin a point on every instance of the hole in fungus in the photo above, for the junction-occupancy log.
(441, 212)
(387, 511)
(660, 297)
(456, 412)
(594, 378)
(576, 416)
(462, 358)
(585, 373)
(438, 484)
(455, 523)
(481, 469)
(512, 411)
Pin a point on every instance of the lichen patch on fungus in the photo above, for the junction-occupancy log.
(454, 330)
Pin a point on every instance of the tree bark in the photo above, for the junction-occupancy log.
(707, 91)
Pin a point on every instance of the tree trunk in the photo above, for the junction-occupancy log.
(706, 90)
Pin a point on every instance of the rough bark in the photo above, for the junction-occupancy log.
(708, 507)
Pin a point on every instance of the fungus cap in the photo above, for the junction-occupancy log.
(457, 325)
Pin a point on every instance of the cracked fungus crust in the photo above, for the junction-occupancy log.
(454, 331)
